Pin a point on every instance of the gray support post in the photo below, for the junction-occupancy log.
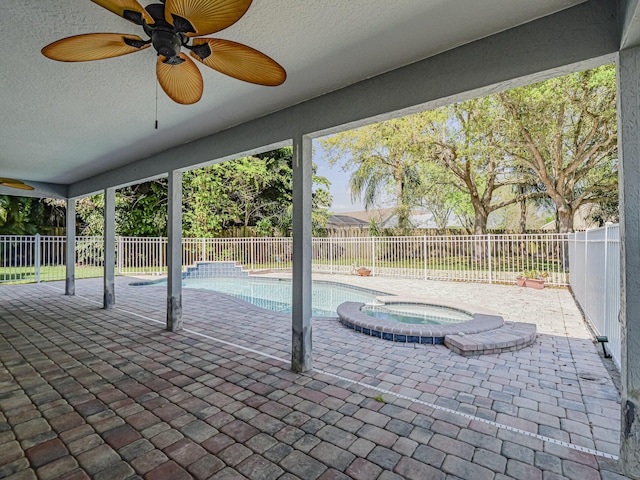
(109, 298)
(629, 181)
(174, 252)
(301, 358)
(70, 253)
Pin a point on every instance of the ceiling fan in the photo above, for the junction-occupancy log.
(170, 26)
(13, 183)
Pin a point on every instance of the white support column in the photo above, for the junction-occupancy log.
(629, 184)
(70, 253)
(174, 252)
(301, 358)
(109, 298)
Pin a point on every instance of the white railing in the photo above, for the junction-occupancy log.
(594, 256)
(261, 253)
(141, 255)
(471, 258)
(42, 258)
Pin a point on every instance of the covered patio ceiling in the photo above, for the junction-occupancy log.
(66, 125)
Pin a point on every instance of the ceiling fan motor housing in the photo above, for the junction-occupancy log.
(166, 43)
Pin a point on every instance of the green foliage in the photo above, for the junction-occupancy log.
(383, 160)
(551, 143)
(374, 229)
(247, 192)
(565, 131)
(534, 274)
(606, 211)
(141, 210)
(90, 213)
(28, 216)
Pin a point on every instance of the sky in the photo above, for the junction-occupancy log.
(339, 182)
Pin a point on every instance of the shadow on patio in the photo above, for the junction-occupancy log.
(108, 394)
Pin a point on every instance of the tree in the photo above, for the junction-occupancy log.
(463, 137)
(564, 130)
(16, 216)
(28, 216)
(141, 210)
(207, 210)
(278, 196)
(90, 214)
(383, 159)
(250, 191)
(606, 211)
(438, 194)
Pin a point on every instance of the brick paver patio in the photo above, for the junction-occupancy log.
(108, 394)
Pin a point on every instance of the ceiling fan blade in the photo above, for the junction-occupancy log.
(203, 17)
(93, 46)
(182, 82)
(128, 9)
(12, 183)
(20, 186)
(238, 61)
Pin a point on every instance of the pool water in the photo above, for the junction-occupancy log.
(417, 314)
(275, 295)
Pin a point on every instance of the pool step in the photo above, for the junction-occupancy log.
(215, 269)
(511, 336)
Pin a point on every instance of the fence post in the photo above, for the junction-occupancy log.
(120, 244)
(373, 255)
(489, 257)
(425, 256)
(204, 250)
(330, 255)
(605, 321)
(586, 264)
(253, 253)
(36, 256)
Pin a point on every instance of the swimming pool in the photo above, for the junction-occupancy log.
(274, 294)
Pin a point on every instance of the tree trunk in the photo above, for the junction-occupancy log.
(565, 219)
(523, 216)
(403, 218)
(402, 209)
(480, 223)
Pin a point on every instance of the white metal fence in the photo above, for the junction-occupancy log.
(41, 258)
(594, 256)
(471, 258)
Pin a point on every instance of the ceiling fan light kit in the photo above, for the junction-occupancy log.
(172, 26)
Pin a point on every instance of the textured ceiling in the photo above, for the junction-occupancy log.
(63, 122)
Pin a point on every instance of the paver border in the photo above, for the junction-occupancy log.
(351, 316)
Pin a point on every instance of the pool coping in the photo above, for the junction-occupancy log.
(350, 315)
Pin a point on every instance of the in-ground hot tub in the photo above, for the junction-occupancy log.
(417, 313)
(416, 320)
